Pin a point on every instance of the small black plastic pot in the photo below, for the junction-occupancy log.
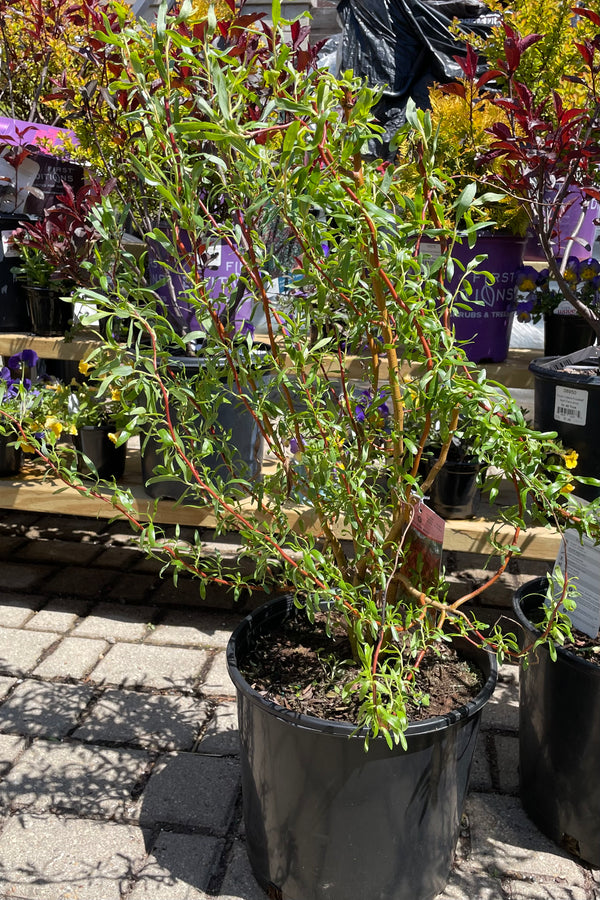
(326, 820)
(566, 333)
(11, 457)
(13, 310)
(50, 315)
(93, 442)
(559, 737)
(456, 491)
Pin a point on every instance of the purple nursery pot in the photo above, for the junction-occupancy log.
(179, 311)
(485, 326)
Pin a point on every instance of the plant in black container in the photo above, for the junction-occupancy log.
(353, 571)
(54, 251)
(559, 716)
(564, 330)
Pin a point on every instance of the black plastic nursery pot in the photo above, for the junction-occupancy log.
(327, 820)
(93, 442)
(559, 738)
(50, 316)
(13, 310)
(566, 333)
(233, 417)
(10, 456)
(567, 400)
(456, 493)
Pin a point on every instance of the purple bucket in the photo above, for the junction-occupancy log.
(180, 312)
(567, 225)
(486, 325)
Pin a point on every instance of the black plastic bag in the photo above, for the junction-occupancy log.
(404, 46)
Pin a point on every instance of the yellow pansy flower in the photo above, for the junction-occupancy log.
(571, 459)
(54, 425)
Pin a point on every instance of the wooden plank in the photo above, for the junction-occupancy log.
(47, 347)
(31, 491)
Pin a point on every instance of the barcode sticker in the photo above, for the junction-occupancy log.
(570, 406)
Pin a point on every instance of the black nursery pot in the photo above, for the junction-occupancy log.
(232, 417)
(50, 316)
(326, 820)
(10, 457)
(559, 738)
(568, 402)
(13, 310)
(93, 442)
(455, 493)
(566, 333)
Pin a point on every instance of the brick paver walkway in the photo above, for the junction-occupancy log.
(119, 772)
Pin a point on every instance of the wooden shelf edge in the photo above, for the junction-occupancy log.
(29, 492)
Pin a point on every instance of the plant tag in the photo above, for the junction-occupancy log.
(582, 560)
(8, 245)
(214, 255)
(570, 405)
(424, 543)
(564, 308)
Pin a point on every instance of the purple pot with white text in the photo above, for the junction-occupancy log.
(221, 271)
(484, 320)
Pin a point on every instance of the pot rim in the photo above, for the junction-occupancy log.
(344, 729)
(536, 588)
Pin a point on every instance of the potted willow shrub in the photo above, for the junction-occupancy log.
(377, 763)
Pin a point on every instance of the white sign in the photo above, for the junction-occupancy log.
(570, 405)
(580, 562)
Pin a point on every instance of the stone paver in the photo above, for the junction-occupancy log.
(159, 722)
(77, 581)
(504, 841)
(217, 682)
(179, 868)
(45, 857)
(193, 628)
(50, 710)
(10, 747)
(507, 754)
(58, 552)
(17, 577)
(133, 665)
(73, 658)
(481, 777)
(116, 621)
(20, 651)
(16, 609)
(192, 790)
(222, 735)
(135, 588)
(58, 615)
(239, 882)
(523, 890)
(5, 685)
(78, 778)
(502, 711)
(464, 884)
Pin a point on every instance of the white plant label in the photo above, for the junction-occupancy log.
(570, 405)
(8, 244)
(580, 562)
